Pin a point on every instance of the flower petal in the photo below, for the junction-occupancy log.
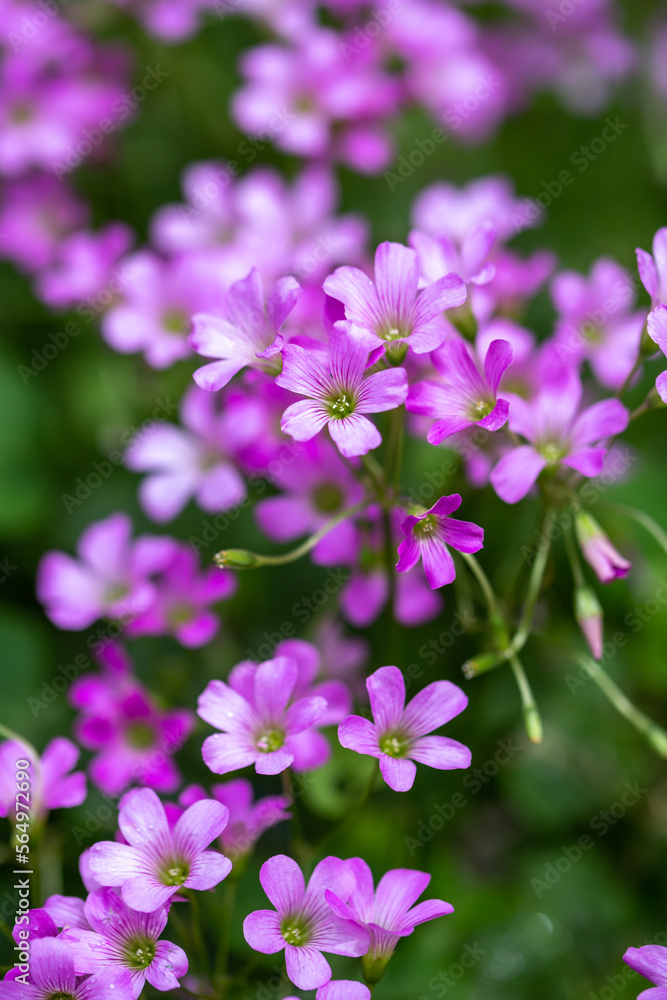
(433, 706)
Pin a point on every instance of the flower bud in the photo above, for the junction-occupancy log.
(598, 551)
(480, 664)
(589, 615)
(237, 559)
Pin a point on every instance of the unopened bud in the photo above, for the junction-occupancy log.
(237, 559)
(589, 615)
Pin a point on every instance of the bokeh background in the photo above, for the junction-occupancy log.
(528, 938)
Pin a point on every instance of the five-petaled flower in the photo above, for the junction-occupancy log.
(398, 735)
(427, 535)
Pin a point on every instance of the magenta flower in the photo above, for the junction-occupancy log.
(439, 255)
(53, 785)
(133, 740)
(186, 462)
(387, 913)
(653, 269)
(51, 974)
(391, 309)
(342, 989)
(596, 321)
(650, 961)
(427, 536)
(156, 861)
(339, 393)
(558, 434)
(318, 485)
(113, 576)
(85, 264)
(302, 924)
(182, 604)
(35, 213)
(464, 396)
(248, 819)
(247, 334)
(123, 938)
(398, 735)
(252, 712)
(598, 551)
(656, 325)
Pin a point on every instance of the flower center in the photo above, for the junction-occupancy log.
(176, 874)
(180, 614)
(342, 406)
(175, 321)
(270, 740)
(140, 735)
(328, 497)
(394, 745)
(552, 452)
(295, 931)
(426, 526)
(481, 408)
(140, 952)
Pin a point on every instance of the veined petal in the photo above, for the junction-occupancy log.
(498, 359)
(359, 734)
(601, 420)
(433, 706)
(261, 930)
(306, 967)
(440, 752)
(398, 772)
(515, 474)
(383, 391)
(304, 419)
(386, 690)
(282, 881)
(354, 435)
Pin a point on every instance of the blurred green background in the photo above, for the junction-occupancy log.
(529, 938)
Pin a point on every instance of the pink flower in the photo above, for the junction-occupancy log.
(123, 938)
(656, 325)
(252, 712)
(598, 551)
(387, 913)
(192, 461)
(398, 734)
(391, 309)
(113, 577)
(557, 434)
(51, 785)
(339, 393)
(650, 961)
(248, 819)
(302, 924)
(464, 396)
(52, 974)
(439, 255)
(427, 536)
(157, 861)
(182, 602)
(247, 334)
(653, 269)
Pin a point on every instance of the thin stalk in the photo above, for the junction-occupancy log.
(654, 734)
(642, 518)
(534, 585)
(196, 930)
(531, 715)
(222, 958)
(242, 559)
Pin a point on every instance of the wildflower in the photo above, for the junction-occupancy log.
(427, 535)
(302, 924)
(597, 549)
(52, 975)
(53, 785)
(248, 819)
(398, 734)
(650, 961)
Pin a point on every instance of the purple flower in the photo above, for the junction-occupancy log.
(156, 861)
(391, 309)
(656, 325)
(439, 255)
(51, 974)
(252, 712)
(113, 576)
(653, 269)
(318, 485)
(182, 603)
(598, 551)
(343, 989)
(35, 213)
(387, 913)
(596, 322)
(302, 924)
(650, 961)
(464, 396)
(187, 462)
(398, 734)
(52, 786)
(339, 393)
(123, 938)
(558, 434)
(247, 334)
(427, 535)
(134, 741)
(248, 819)
(85, 265)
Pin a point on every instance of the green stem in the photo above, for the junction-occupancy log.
(242, 559)
(483, 581)
(222, 958)
(531, 715)
(571, 549)
(395, 447)
(655, 735)
(642, 518)
(534, 586)
(196, 929)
